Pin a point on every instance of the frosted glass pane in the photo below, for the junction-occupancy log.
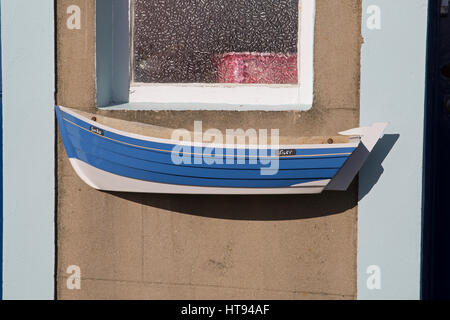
(215, 41)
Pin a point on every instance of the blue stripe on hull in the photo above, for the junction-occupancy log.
(78, 139)
(152, 161)
(150, 166)
(134, 173)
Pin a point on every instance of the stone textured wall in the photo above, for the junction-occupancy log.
(144, 246)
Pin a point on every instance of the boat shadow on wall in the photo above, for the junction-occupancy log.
(143, 169)
(272, 207)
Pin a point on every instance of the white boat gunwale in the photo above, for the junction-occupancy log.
(205, 144)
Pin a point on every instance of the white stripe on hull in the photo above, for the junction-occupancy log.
(106, 181)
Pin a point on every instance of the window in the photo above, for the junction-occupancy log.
(223, 53)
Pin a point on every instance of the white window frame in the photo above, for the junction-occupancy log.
(263, 96)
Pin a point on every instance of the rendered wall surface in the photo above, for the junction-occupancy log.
(145, 246)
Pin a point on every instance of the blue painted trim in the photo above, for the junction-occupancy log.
(1, 161)
(436, 235)
(104, 49)
(112, 52)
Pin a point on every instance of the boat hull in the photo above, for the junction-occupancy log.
(112, 160)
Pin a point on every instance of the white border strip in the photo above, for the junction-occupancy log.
(306, 72)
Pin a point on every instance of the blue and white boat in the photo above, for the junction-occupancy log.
(109, 159)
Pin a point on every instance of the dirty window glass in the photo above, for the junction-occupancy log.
(215, 41)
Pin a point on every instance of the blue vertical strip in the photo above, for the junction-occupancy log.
(113, 52)
(104, 46)
(1, 162)
(392, 89)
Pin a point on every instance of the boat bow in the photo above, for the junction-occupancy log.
(368, 137)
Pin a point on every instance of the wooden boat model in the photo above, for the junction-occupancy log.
(107, 157)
